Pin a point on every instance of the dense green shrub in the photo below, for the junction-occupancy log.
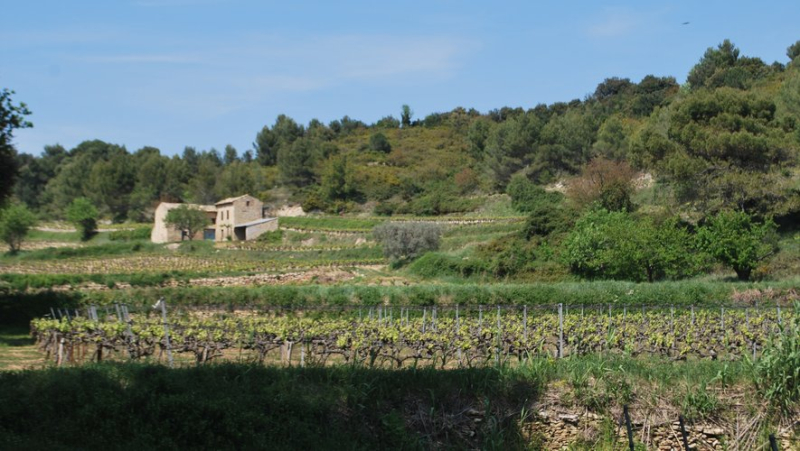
(235, 406)
(435, 264)
(777, 374)
(617, 245)
(139, 233)
(736, 240)
(379, 143)
(15, 221)
(606, 292)
(84, 215)
(272, 237)
(526, 196)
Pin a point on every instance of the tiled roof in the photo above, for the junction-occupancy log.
(232, 199)
(256, 222)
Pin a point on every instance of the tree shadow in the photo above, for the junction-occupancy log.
(15, 336)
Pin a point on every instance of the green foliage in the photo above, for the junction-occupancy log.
(793, 51)
(295, 162)
(777, 372)
(379, 143)
(12, 117)
(736, 240)
(439, 199)
(187, 219)
(729, 141)
(724, 67)
(83, 215)
(139, 233)
(256, 407)
(616, 245)
(272, 237)
(546, 218)
(405, 116)
(407, 241)
(269, 142)
(15, 222)
(436, 264)
(526, 196)
(510, 255)
(511, 145)
(699, 404)
(616, 196)
(338, 182)
(603, 182)
(331, 223)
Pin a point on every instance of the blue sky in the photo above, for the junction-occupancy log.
(206, 73)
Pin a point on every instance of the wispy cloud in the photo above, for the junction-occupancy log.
(374, 58)
(282, 83)
(59, 38)
(139, 59)
(614, 23)
(217, 78)
(159, 3)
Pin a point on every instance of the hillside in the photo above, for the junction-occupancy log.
(727, 138)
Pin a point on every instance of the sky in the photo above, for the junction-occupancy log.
(208, 73)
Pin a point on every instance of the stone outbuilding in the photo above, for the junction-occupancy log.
(236, 219)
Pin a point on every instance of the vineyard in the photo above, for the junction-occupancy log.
(340, 224)
(399, 337)
(274, 261)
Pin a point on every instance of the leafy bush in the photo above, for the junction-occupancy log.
(83, 214)
(527, 197)
(272, 237)
(435, 264)
(733, 238)
(406, 241)
(387, 207)
(15, 221)
(545, 219)
(379, 143)
(616, 245)
(777, 374)
(140, 233)
(436, 202)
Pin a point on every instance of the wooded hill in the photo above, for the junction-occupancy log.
(727, 138)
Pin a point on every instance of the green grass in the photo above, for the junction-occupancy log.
(244, 406)
(330, 223)
(17, 350)
(95, 249)
(61, 237)
(128, 406)
(24, 306)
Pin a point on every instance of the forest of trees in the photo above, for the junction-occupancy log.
(728, 138)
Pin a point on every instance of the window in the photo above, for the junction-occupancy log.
(229, 214)
(247, 203)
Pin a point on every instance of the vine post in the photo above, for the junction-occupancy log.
(560, 330)
(163, 304)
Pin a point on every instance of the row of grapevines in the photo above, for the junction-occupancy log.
(445, 341)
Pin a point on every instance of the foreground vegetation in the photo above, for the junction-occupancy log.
(233, 406)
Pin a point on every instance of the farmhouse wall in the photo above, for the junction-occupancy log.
(225, 216)
(254, 231)
(164, 234)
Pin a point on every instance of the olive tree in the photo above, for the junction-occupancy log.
(186, 219)
(15, 221)
(406, 241)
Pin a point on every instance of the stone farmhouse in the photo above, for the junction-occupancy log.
(236, 219)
